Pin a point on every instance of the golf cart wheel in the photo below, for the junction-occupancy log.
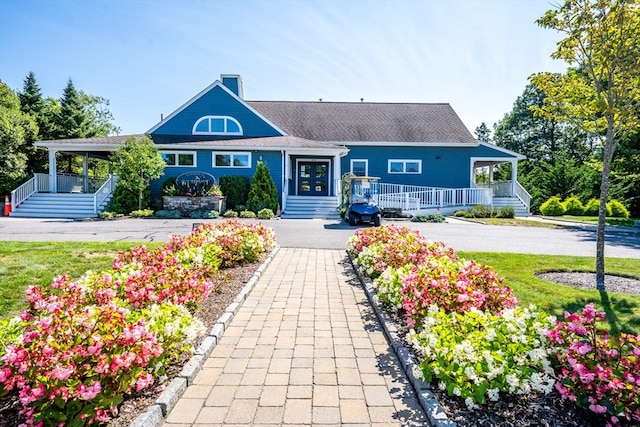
(353, 219)
(377, 220)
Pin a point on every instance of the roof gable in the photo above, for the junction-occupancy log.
(219, 102)
(359, 121)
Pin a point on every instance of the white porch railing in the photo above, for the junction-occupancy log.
(412, 198)
(103, 192)
(23, 192)
(523, 195)
(66, 183)
(504, 189)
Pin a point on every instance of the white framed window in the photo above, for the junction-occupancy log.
(405, 166)
(179, 158)
(231, 160)
(359, 167)
(216, 125)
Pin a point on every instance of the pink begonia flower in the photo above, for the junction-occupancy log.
(144, 381)
(60, 373)
(5, 373)
(598, 409)
(88, 393)
(584, 348)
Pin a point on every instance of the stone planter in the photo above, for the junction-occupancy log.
(186, 204)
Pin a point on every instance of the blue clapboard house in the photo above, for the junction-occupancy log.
(425, 157)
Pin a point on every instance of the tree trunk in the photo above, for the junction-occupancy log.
(609, 148)
(140, 200)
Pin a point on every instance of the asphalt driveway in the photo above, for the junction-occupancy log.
(323, 234)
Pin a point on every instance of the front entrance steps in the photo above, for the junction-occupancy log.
(58, 205)
(311, 207)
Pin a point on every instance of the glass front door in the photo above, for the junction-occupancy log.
(313, 178)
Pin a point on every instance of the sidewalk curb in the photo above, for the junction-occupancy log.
(434, 412)
(154, 415)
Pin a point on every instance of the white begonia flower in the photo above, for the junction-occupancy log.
(494, 394)
(491, 334)
(456, 391)
(470, 404)
(442, 386)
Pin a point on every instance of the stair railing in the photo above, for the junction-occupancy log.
(103, 192)
(23, 192)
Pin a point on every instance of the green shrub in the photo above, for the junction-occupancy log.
(507, 212)
(210, 214)
(592, 208)
(141, 213)
(247, 214)
(169, 187)
(125, 200)
(230, 213)
(236, 190)
(617, 209)
(552, 207)
(266, 213)
(196, 214)
(263, 192)
(107, 215)
(168, 214)
(428, 218)
(462, 213)
(481, 211)
(573, 206)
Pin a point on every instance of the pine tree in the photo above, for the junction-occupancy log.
(31, 102)
(263, 192)
(72, 121)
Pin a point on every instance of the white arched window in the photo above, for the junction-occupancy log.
(217, 125)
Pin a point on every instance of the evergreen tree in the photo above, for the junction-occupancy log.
(16, 128)
(72, 121)
(263, 192)
(31, 102)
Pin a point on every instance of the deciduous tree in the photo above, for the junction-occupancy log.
(136, 163)
(602, 94)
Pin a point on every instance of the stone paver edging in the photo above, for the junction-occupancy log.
(430, 405)
(154, 415)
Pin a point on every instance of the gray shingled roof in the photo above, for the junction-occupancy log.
(274, 142)
(366, 121)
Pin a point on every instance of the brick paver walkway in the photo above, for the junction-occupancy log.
(304, 349)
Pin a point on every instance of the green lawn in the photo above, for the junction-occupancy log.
(516, 222)
(36, 263)
(627, 222)
(518, 270)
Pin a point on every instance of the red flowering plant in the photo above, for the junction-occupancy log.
(240, 242)
(399, 247)
(595, 370)
(453, 285)
(76, 360)
(365, 237)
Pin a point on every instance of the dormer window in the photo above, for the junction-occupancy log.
(217, 125)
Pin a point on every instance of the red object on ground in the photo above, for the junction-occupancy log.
(7, 206)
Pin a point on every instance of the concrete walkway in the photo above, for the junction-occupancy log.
(305, 348)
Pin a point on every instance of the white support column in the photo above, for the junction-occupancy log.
(514, 177)
(53, 172)
(337, 177)
(85, 173)
(490, 174)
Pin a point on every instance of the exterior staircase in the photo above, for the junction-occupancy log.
(519, 207)
(311, 207)
(59, 205)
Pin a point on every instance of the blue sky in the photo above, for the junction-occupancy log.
(151, 56)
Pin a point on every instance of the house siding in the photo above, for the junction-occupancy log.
(441, 166)
(217, 102)
(273, 160)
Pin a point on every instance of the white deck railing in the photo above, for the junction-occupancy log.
(66, 183)
(23, 192)
(413, 198)
(103, 192)
(505, 189)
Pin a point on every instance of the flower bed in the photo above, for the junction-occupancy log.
(83, 344)
(478, 345)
